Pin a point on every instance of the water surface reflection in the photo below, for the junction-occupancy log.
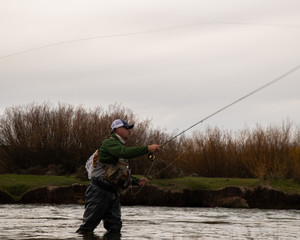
(139, 222)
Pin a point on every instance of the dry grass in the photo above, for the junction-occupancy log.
(40, 139)
(263, 153)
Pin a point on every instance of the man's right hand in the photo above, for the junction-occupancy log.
(154, 147)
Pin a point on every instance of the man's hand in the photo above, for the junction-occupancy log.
(142, 181)
(154, 148)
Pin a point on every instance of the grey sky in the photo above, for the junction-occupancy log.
(211, 53)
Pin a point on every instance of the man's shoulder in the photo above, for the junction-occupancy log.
(110, 140)
(107, 140)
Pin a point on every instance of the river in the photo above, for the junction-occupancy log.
(61, 221)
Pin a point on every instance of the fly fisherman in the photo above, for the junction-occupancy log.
(110, 175)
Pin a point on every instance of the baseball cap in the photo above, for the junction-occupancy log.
(121, 123)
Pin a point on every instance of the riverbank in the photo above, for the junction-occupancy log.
(181, 192)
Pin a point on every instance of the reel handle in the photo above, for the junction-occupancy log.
(151, 156)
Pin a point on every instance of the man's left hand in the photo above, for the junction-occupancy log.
(142, 181)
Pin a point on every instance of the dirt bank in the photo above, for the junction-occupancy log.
(230, 197)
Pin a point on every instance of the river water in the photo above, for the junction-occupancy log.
(139, 222)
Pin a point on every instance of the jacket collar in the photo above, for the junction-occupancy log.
(116, 136)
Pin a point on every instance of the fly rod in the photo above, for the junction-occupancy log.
(151, 156)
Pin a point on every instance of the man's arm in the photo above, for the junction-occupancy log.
(117, 149)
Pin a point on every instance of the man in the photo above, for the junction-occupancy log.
(110, 175)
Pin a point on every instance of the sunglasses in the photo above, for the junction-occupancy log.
(127, 128)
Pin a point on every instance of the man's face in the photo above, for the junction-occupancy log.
(123, 133)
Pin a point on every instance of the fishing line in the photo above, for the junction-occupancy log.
(236, 101)
(151, 156)
(145, 32)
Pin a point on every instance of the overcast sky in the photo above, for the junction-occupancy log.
(173, 61)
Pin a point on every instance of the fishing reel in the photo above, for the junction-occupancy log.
(151, 156)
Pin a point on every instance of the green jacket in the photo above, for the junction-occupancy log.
(112, 149)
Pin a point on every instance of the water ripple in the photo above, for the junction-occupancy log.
(45, 222)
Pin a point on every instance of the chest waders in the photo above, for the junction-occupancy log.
(117, 174)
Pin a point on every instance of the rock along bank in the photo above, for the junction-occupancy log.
(230, 197)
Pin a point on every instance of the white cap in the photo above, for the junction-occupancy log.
(120, 123)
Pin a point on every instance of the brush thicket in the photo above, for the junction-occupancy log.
(41, 139)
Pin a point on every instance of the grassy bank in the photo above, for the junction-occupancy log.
(16, 185)
(285, 185)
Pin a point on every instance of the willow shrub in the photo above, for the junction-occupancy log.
(273, 152)
(42, 139)
(212, 153)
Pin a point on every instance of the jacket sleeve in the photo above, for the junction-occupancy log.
(117, 149)
(134, 181)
